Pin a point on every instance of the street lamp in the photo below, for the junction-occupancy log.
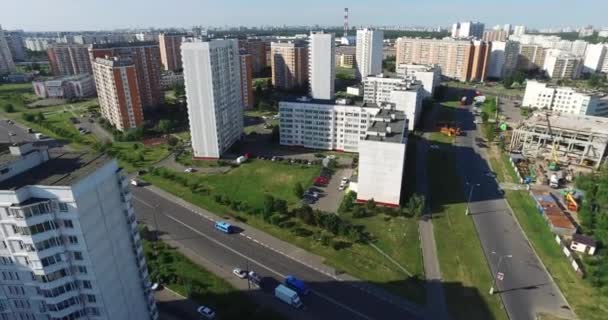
(498, 270)
(470, 195)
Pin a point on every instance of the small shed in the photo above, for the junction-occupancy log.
(583, 243)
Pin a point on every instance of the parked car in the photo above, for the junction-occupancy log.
(239, 273)
(254, 277)
(342, 187)
(190, 170)
(206, 312)
(136, 182)
(155, 286)
(12, 134)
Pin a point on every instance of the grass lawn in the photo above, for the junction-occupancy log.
(204, 287)
(451, 104)
(345, 73)
(17, 95)
(499, 161)
(142, 157)
(359, 260)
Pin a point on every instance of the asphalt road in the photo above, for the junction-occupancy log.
(527, 288)
(20, 132)
(330, 299)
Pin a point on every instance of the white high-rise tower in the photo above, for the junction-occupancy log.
(369, 52)
(322, 65)
(7, 64)
(212, 77)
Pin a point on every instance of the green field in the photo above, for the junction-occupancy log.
(251, 181)
(192, 281)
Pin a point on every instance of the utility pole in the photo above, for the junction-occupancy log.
(498, 271)
(470, 196)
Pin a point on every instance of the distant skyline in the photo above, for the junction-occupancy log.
(72, 15)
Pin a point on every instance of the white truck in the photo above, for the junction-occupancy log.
(288, 296)
(554, 181)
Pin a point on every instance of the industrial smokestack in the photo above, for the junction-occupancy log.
(345, 22)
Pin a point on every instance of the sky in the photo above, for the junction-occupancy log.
(66, 15)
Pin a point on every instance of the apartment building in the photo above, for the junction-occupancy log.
(495, 35)
(596, 57)
(562, 65)
(429, 76)
(38, 44)
(78, 86)
(369, 52)
(479, 62)
(118, 92)
(467, 29)
(382, 155)
(452, 56)
(531, 56)
(69, 59)
(7, 65)
(324, 124)
(70, 243)
(404, 94)
(146, 57)
(565, 100)
(170, 52)
(519, 30)
(14, 40)
(257, 49)
(289, 62)
(322, 65)
(212, 75)
(346, 56)
(503, 59)
(246, 64)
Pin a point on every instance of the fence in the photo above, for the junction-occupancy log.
(566, 251)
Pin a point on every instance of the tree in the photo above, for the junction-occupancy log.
(172, 141)
(165, 125)
(508, 82)
(280, 206)
(484, 117)
(268, 204)
(298, 190)
(179, 90)
(489, 132)
(8, 108)
(595, 80)
(28, 117)
(370, 204)
(416, 204)
(39, 117)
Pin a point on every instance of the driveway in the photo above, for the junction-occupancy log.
(330, 196)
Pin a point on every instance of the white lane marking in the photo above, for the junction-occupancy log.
(263, 265)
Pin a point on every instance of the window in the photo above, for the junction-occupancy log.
(73, 239)
(87, 284)
(68, 224)
(78, 255)
(63, 207)
(91, 298)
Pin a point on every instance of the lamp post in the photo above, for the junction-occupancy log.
(500, 258)
(470, 196)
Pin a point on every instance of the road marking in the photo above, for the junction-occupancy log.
(331, 300)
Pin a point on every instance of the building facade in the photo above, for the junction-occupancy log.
(212, 76)
(69, 59)
(146, 57)
(246, 62)
(565, 100)
(404, 95)
(531, 56)
(503, 59)
(452, 56)
(70, 243)
(369, 52)
(321, 65)
(324, 124)
(346, 56)
(289, 62)
(429, 76)
(79, 86)
(7, 65)
(495, 35)
(118, 92)
(170, 52)
(519, 30)
(562, 65)
(257, 49)
(16, 44)
(595, 58)
(468, 29)
(479, 61)
(382, 155)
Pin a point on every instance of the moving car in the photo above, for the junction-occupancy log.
(136, 182)
(12, 134)
(242, 274)
(254, 277)
(206, 312)
(189, 170)
(155, 286)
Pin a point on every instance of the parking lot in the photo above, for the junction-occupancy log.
(326, 195)
(511, 109)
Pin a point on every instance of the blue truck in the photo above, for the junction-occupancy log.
(297, 285)
(288, 296)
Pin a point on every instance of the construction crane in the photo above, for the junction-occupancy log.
(553, 165)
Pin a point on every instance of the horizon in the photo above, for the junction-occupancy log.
(66, 16)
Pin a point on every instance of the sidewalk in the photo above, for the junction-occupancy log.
(311, 260)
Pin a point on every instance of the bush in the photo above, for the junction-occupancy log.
(9, 108)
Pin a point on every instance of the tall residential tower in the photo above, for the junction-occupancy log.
(369, 52)
(212, 75)
(322, 65)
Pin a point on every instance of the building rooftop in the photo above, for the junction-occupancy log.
(346, 50)
(62, 169)
(586, 240)
(389, 126)
(331, 102)
(124, 44)
(589, 124)
(114, 61)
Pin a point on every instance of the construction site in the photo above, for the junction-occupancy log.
(548, 148)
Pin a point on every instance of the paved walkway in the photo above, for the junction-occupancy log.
(435, 296)
(298, 254)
